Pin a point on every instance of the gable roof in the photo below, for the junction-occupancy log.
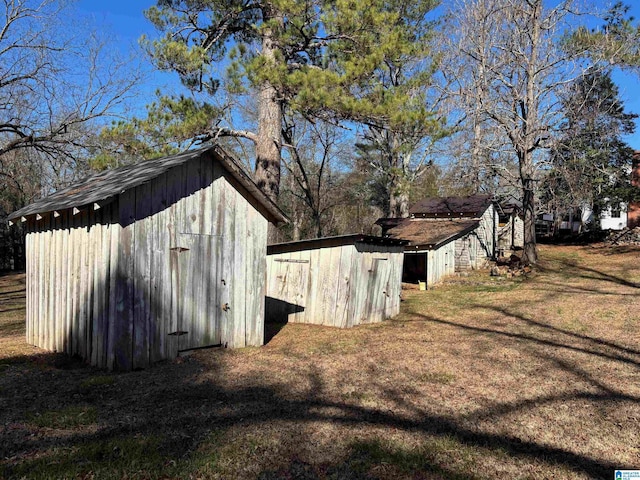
(110, 183)
(472, 206)
(429, 234)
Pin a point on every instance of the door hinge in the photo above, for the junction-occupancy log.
(178, 333)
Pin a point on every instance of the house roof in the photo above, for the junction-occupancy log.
(110, 183)
(338, 241)
(430, 234)
(472, 206)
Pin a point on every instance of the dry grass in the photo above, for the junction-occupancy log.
(480, 378)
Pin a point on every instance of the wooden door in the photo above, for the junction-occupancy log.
(199, 315)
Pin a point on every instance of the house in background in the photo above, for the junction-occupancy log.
(633, 211)
(132, 265)
(446, 235)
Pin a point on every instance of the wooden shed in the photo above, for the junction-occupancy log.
(449, 234)
(132, 265)
(430, 254)
(335, 281)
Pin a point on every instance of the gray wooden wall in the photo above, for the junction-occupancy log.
(511, 233)
(183, 253)
(477, 247)
(340, 286)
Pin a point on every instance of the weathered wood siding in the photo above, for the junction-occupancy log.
(440, 263)
(477, 247)
(173, 264)
(339, 286)
(511, 234)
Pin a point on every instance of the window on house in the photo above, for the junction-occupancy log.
(615, 211)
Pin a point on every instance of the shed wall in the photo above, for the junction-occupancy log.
(339, 286)
(474, 249)
(183, 253)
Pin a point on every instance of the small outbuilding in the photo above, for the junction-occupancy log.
(132, 265)
(336, 281)
(445, 235)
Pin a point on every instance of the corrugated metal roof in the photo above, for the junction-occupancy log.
(430, 234)
(326, 242)
(110, 183)
(471, 206)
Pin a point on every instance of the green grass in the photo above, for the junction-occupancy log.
(477, 378)
(69, 417)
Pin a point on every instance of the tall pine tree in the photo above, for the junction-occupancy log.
(319, 59)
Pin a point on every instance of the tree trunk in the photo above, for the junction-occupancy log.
(530, 253)
(268, 141)
(398, 203)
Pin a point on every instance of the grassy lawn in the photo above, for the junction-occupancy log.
(479, 378)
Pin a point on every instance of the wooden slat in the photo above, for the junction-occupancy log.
(343, 287)
(172, 288)
(209, 246)
(59, 284)
(114, 278)
(83, 317)
(123, 319)
(239, 275)
(30, 255)
(142, 276)
(50, 287)
(217, 229)
(160, 297)
(256, 272)
(229, 282)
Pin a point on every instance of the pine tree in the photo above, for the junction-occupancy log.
(320, 59)
(591, 164)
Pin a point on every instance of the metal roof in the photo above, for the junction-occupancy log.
(431, 234)
(110, 183)
(338, 241)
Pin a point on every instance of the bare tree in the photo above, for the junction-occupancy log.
(57, 83)
(314, 152)
(513, 68)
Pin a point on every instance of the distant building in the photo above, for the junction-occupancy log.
(446, 235)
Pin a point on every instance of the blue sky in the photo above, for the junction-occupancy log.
(125, 22)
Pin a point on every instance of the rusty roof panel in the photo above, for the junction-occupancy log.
(430, 234)
(471, 206)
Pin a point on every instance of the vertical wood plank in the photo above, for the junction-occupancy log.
(239, 275)
(175, 214)
(30, 255)
(227, 219)
(58, 301)
(114, 285)
(142, 276)
(312, 309)
(123, 333)
(256, 276)
(51, 282)
(343, 285)
(83, 321)
(217, 229)
(160, 298)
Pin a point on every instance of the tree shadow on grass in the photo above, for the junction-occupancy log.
(588, 273)
(168, 421)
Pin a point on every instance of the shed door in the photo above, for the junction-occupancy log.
(196, 291)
